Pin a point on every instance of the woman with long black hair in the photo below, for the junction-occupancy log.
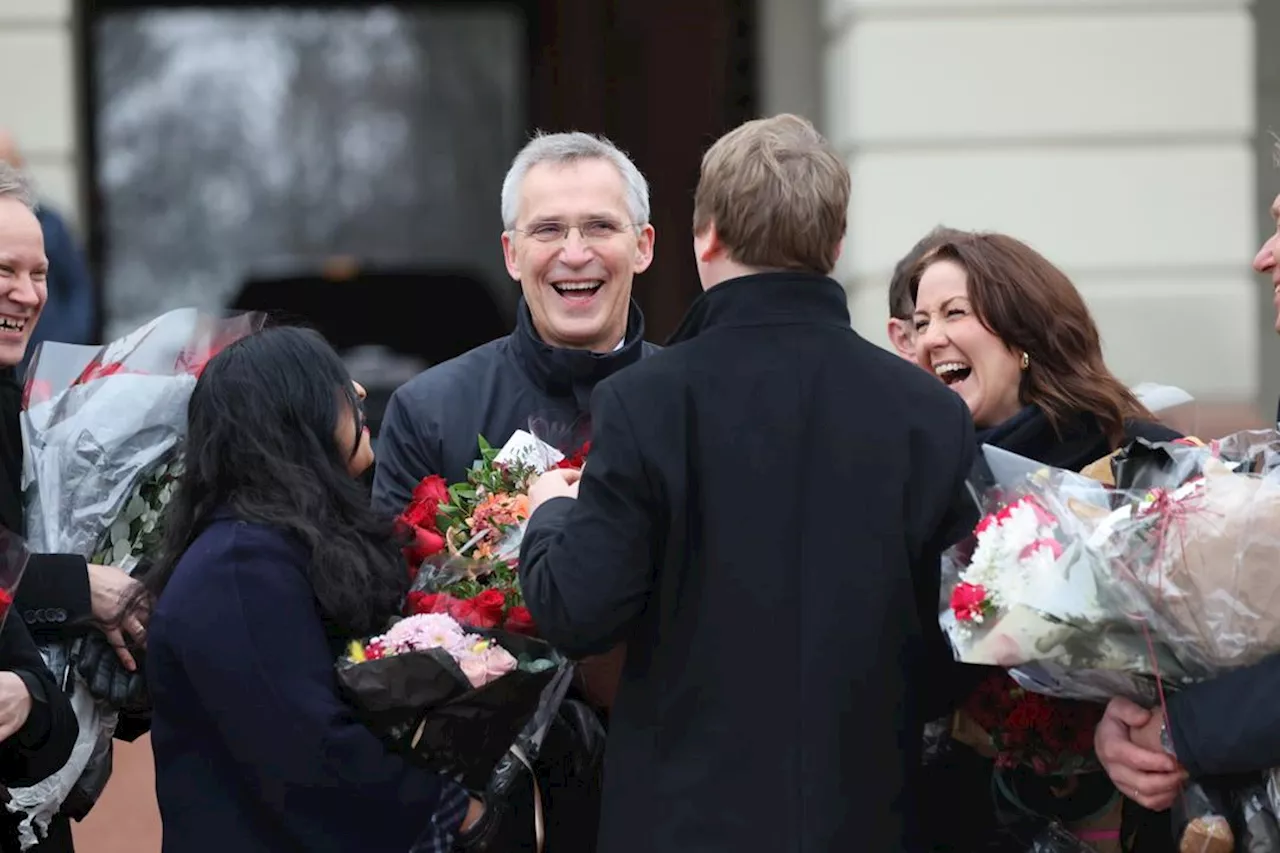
(273, 560)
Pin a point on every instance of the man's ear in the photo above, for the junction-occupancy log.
(707, 245)
(901, 339)
(509, 255)
(644, 249)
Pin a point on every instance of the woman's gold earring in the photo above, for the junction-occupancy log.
(1026, 360)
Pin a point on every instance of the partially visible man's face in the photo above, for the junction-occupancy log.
(23, 278)
(575, 252)
(1267, 261)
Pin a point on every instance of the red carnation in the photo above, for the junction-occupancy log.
(520, 621)
(1051, 545)
(969, 602)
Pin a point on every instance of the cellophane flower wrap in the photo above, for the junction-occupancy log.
(1164, 579)
(102, 431)
(14, 554)
(450, 697)
(466, 536)
(1027, 586)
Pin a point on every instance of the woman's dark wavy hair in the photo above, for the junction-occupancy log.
(1032, 307)
(260, 443)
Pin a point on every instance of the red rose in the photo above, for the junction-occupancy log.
(969, 602)
(37, 391)
(467, 613)
(491, 603)
(432, 488)
(426, 542)
(425, 506)
(576, 460)
(96, 370)
(429, 602)
(520, 621)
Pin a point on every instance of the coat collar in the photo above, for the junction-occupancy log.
(560, 371)
(771, 298)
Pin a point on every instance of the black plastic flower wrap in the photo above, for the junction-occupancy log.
(452, 699)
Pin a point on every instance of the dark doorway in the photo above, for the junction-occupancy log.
(662, 78)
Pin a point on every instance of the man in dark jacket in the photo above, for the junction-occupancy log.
(1230, 724)
(575, 212)
(70, 314)
(760, 520)
(36, 720)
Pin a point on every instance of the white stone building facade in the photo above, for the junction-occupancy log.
(1128, 140)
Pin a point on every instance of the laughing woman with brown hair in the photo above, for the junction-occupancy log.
(1009, 333)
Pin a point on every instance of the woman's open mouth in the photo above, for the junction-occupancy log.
(952, 372)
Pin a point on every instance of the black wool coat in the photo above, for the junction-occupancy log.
(760, 520)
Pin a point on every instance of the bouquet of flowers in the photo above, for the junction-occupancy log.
(102, 431)
(452, 699)
(1166, 578)
(1030, 585)
(1026, 729)
(466, 536)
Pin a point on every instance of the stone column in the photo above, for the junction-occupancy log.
(37, 98)
(1118, 137)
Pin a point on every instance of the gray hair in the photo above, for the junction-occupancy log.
(13, 184)
(568, 148)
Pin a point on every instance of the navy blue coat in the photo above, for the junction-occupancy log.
(254, 748)
(433, 422)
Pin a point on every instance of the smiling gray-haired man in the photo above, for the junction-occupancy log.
(576, 232)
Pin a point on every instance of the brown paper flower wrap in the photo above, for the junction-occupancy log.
(1204, 556)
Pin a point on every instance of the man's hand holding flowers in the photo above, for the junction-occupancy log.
(556, 483)
(110, 588)
(1128, 744)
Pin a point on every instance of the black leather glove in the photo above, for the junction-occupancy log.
(97, 663)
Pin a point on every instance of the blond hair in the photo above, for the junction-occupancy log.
(777, 193)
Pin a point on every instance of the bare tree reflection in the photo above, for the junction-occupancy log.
(233, 140)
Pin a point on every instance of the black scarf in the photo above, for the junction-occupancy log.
(565, 372)
(1079, 441)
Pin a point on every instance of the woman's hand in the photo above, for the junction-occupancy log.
(109, 590)
(1137, 766)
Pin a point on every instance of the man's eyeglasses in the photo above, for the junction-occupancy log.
(591, 231)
